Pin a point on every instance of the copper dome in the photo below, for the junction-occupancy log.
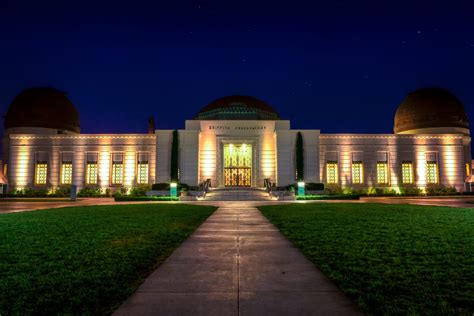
(430, 108)
(237, 107)
(43, 107)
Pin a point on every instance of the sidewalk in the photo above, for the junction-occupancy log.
(237, 263)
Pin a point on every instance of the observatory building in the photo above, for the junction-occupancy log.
(236, 141)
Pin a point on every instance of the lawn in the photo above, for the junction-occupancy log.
(86, 260)
(390, 259)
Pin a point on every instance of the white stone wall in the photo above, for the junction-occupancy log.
(25, 148)
(164, 139)
(189, 156)
(273, 145)
(448, 148)
(286, 156)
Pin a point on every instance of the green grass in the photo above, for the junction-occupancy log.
(86, 260)
(391, 259)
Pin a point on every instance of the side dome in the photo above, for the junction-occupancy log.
(237, 107)
(431, 111)
(43, 107)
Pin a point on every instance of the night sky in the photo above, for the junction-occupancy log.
(338, 66)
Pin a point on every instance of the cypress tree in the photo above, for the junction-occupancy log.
(299, 157)
(174, 157)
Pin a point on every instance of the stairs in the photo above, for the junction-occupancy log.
(237, 194)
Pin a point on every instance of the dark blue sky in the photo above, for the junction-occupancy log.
(338, 66)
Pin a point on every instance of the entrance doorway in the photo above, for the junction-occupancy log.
(237, 165)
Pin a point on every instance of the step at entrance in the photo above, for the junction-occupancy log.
(237, 194)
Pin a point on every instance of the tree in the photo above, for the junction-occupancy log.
(174, 168)
(299, 157)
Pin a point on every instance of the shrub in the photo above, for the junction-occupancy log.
(410, 190)
(90, 192)
(182, 187)
(160, 186)
(334, 190)
(329, 197)
(311, 186)
(60, 192)
(129, 198)
(299, 157)
(436, 189)
(139, 190)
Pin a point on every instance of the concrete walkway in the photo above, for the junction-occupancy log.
(237, 263)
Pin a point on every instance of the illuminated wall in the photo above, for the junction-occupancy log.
(24, 147)
(207, 157)
(399, 148)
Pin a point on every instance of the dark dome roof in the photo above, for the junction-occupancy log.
(43, 107)
(237, 107)
(429, 108)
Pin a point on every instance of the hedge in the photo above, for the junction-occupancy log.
(329, 197)
(145, 198)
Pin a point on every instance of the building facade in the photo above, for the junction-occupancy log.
(236, 141)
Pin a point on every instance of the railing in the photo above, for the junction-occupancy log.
(205, 185)
(268, 184)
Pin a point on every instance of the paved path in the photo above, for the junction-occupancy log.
(237, 263)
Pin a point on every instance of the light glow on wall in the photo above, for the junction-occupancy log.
(21, 174)
(450, 165)
(104, 169)
(421, 167)
(207, 156)
(130, 164)
(267, 157)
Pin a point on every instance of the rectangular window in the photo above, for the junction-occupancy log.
(91, 168)
(142, 170)
(468, 170)
(41, 172)
(407, 173)
(432, 168)
(382, 173)
(66, 173)
(432, 172)
(382, 168)
(41, 168)
(117, 169)
(66, 169)
(357, 173)
(331, 172)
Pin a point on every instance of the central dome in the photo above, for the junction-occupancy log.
(237, 107)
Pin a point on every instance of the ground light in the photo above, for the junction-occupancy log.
(173, 189)
(300, 188)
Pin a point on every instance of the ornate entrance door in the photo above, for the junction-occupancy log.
(237, 165)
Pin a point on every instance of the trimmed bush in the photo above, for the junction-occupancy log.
(299, 157)
(128, 198)
(174, 168)
(140, 190)
(90, 192)
(329, 197)
(160, 186)
(311, 186)
(182, 187)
